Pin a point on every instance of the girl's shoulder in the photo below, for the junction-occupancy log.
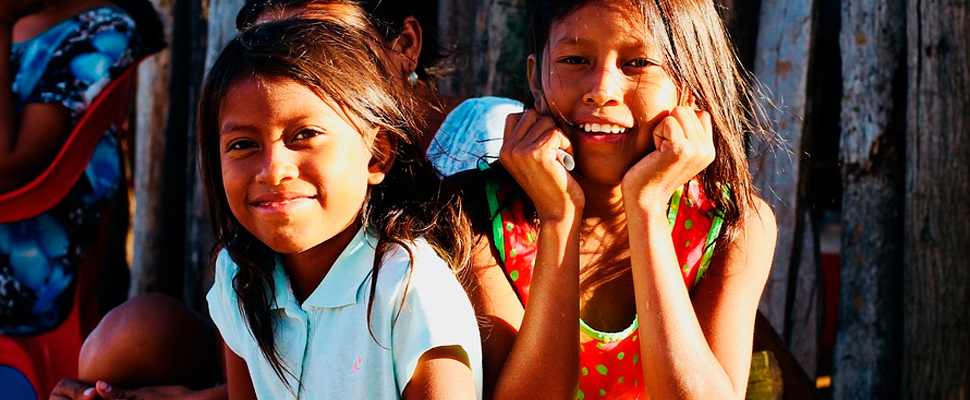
(752, 246)
(409, 265)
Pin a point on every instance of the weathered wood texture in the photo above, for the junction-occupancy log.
(785, 39)
(152, 106)
(866, 362)
(936, 289)
(219, 18)
(489, 43)
(162, 145)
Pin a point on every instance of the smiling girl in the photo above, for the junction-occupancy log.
(335, 277)
(637, 273)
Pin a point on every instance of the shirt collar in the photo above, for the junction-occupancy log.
(340, 287)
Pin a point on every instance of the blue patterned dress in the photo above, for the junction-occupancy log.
(68, 64)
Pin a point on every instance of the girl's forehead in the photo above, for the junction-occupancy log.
(598, 18)
(282, 89)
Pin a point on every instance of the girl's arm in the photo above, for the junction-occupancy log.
(238, 381)
(25, 140)
(539, 345)
(441, 373)
(699, 350)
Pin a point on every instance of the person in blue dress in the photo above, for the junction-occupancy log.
(56, 56)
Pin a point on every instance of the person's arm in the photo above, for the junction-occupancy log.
(25, 140)
(238, 381)
(539, 344)
(699, 349)
(441, 373)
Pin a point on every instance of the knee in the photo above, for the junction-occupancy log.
(140, 342)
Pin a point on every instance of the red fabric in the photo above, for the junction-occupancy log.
(609, 366)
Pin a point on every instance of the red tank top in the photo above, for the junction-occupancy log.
(609, 362)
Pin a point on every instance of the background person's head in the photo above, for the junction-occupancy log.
(407, 29)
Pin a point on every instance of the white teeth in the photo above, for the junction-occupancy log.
(603, 128)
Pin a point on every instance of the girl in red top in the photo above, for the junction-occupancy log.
(637, 273)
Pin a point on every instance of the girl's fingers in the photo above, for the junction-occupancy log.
(511, 121)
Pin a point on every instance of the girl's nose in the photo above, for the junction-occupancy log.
(605, 88)
(278, 166)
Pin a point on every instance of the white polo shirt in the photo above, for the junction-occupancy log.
(325, 343)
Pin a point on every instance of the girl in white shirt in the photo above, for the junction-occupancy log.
(337, 243)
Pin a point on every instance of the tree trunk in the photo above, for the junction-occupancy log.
(784, 54)
(936, 291)
(869, 338)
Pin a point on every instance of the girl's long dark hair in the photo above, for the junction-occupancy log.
(335, 60)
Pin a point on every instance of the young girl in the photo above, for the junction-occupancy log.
(336, 238)
(637, 273)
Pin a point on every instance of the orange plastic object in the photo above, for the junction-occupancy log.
(48, 189)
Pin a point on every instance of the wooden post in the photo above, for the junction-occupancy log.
(152, 106)
(221, 26)
(936, 276)
(782, 62)
(868, 341)
(490, 43)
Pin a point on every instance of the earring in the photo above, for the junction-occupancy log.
(413, 80)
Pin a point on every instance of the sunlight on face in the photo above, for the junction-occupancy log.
(606, 87)
(294, 167)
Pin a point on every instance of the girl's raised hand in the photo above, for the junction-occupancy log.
(529, 153)
(684, 147)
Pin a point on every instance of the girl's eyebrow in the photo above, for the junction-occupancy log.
(231, 127)
(575, 41)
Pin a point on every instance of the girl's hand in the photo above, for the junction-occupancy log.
(76, 390)
(684, 147)
(13, 10)
(529, 153)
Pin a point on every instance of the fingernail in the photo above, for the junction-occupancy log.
(105, 386)
(88, 391)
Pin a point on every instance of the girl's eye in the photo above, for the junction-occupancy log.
(573, 60)
(240, 145)
(642, 62)
(305, 134)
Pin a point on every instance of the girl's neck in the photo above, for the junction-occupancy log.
(307, 269)
(54, 13)
(604, 203)
(432, 109)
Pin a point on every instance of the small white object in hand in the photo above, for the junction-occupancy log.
(565, 159)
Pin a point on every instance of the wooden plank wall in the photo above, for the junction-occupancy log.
(869, 341)
(936, 255)
(784, 51)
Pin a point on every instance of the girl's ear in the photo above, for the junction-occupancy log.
(384, 153)
(408, 44)
(535, 83)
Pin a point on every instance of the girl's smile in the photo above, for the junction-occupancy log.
(296, 169)
(605, 87)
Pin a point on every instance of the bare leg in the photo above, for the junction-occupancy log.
(152, 340)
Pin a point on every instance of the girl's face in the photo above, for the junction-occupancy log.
(605, 87)
(295, 168)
